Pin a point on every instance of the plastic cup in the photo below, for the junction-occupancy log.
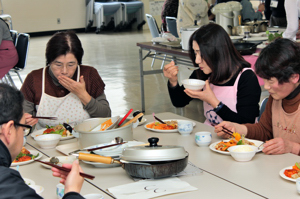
(60, 190)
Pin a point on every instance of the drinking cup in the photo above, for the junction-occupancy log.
(203, 138)
(185, 127)
(60, 191)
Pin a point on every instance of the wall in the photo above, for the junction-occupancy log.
(42, 15)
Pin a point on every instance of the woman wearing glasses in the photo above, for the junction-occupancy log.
(12, 120)
(279, 66)
(64, 88)
(232, 91)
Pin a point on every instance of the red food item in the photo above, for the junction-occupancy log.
(49, 130)
(290, 172)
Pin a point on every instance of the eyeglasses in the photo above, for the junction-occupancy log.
(26, 128)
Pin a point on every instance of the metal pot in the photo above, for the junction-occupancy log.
(240, 30)
(88, 138)
(186, 33)
(258, 26)
(246, 48)
(153, 161)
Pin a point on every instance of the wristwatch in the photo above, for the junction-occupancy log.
(220, 105)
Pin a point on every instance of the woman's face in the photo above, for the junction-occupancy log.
(201, 63)
(64, 65)
(281, 91)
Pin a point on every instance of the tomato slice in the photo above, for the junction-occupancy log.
(48, 131)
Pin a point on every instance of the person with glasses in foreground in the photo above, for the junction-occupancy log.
(232, 91)
(12, 120)
(279, 66)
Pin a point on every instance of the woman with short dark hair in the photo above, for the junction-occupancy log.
(279, 66)
(232, 91)
(64, 88)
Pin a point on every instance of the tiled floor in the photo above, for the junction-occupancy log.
(115, 56)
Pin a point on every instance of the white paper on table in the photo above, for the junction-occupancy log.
(151, 188)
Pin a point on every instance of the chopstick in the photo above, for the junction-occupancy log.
(225, 130)
(102, 147)
(44, 117)
(67, 170)
(123, 119)
(159, 120)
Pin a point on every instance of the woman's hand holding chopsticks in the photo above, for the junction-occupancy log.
(29, 120)
(72, 180)
(221, 131)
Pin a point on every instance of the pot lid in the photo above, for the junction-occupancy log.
(153, 152)
(221, 8)
(235, 6)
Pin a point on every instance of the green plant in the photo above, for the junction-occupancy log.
(272, 37)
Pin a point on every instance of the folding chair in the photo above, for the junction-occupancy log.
(172, 25)
(155, 33)
(22, 46)
(133, 11)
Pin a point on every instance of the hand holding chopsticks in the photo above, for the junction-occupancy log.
(225, 130)
(66, 170)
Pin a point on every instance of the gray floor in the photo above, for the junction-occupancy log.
(115, 56)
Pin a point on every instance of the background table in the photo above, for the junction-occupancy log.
(168, 54)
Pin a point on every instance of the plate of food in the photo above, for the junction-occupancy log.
(291, 173)
(170, 126)
(26, 156)
(58, 129)
(222, 146)
(28, 181)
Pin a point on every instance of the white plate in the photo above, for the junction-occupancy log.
(141, 122)
(281, 173)
(212, 146)
(256, 39)
(68, 148)
(33, 152)
(40, 132)
(62, 160)
(28, 181)
(260, 34)
(165, 131)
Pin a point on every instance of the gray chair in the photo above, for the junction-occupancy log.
(172, 25)
(14, 36)
(155, 32)
(133, 11)
(22, 46)
(262, 107)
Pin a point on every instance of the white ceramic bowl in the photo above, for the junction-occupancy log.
(38, 189)
(193, 84)
(203, 138)
(241, 153)
(48, 141)
(93, 196)
(185, 127)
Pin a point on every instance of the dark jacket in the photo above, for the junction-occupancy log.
(12, 185)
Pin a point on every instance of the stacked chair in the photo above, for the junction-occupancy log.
(114, 15)
(172, 25)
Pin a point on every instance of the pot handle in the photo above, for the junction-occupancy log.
(95, 158)
(255, 45)
(240, 20)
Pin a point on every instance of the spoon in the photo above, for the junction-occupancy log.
(117, 140)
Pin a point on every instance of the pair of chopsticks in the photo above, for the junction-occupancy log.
(124, 118)
(97, 148)
(66, 169)
(225, 130)
(44, 117)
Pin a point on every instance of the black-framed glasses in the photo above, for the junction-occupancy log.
(27, 129)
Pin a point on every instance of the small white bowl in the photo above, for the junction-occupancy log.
(38, 189)
(185, 127)
(193, 84)
(243, 153)
(203, 138)
(48, 141)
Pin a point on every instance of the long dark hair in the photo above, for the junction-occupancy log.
(62, 43)
(280, 59)
(218, 52)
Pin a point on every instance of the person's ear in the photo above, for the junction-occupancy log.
(295, 78)
(7, 130)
